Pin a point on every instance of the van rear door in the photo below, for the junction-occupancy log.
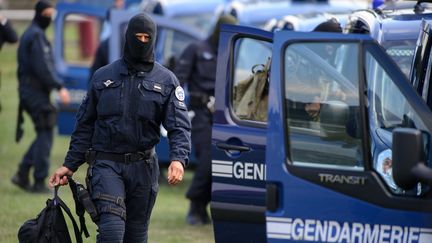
(326, 181)
(239, 138)
(76, 38)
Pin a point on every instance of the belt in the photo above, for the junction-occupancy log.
(127, 157)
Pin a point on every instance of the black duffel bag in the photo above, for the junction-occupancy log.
(50, 225)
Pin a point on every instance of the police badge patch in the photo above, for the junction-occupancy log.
(108, 83)
(179, 93)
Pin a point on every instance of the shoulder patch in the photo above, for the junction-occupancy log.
(179, 93)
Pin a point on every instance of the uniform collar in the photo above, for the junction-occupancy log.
(123, 67)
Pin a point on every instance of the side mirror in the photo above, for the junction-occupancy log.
(409, 158)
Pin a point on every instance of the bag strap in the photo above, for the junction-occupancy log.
(79, 207)
(60, 202)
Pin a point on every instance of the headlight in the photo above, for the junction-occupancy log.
(384, 167)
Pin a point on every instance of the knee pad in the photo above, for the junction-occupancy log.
(111, 228)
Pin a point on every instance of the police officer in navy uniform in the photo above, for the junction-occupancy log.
(119, 121)
(197, 68)
(37, 78)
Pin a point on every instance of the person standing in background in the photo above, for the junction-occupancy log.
(197, 68)
(7, 34)
(37, 78)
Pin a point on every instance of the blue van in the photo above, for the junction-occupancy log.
(76, 38)
(258, 13)
(395, 25)
(308, 170)
(202, 15)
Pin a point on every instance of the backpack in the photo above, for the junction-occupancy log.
(250, 96)
(50, 225)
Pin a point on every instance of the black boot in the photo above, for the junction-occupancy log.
(40, 187)
(21, 181)
(197, 214)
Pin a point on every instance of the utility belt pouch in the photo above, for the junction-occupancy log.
(90, 156)
(83, 200)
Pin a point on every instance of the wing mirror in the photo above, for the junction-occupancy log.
(409, 158)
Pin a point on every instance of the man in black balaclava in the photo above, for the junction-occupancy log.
(118, 124)
(139, 44)
(197, 68)
(37, 78)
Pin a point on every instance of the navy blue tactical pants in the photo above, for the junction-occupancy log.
(200, 188)
(38, 155)
(137, 184)
(43, 115)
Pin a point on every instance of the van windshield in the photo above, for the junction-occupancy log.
(389, 108)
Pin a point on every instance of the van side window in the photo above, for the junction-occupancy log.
(174, 44)
(249, 97)
(322, 105)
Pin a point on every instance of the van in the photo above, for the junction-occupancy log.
(328, 143)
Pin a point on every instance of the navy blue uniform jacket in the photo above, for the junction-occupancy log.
(36, 70)
(122, 113)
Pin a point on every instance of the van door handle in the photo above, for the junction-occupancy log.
(272, 197)
(226, 146)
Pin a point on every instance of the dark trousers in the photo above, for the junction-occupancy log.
(43, 115)
(200, 189)
(137, 184)
(38, 156)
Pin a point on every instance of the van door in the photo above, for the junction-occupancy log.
(329, 175)
(239, 137)
(76, 38)
(421, 69)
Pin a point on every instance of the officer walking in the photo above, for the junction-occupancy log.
(197, 68)
(119, 121)
(37, 78)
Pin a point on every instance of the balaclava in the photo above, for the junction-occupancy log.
(42, 21)
(139, 56)
(224, 19)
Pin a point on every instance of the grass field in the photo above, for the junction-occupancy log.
(16, 206)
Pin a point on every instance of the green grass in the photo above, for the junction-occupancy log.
(167, 221)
